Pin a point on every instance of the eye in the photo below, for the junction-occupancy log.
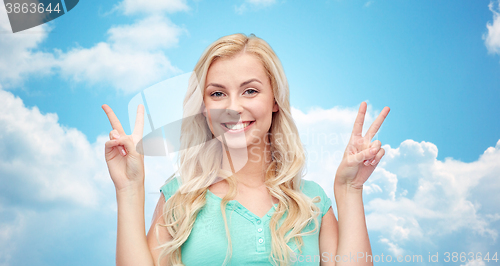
(251, 91)
(217, 94)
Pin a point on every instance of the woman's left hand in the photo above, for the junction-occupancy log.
(361, 155)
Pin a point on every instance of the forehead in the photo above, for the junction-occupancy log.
(241, 67)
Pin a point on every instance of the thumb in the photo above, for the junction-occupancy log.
(127, 143)
(367, 154)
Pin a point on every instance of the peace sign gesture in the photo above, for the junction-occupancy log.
(361, 155)
(125, 164)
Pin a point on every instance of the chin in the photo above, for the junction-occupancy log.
(234, 142)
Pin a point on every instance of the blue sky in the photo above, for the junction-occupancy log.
(436, 64)
(392, 54)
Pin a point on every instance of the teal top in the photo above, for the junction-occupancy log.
(250, 234)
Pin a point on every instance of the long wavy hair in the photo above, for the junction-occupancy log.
(201, 156)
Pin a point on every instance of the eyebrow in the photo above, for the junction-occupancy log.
(241, 85)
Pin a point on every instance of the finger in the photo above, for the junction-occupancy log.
(127, 143)
(376, 144)
(358, 123)
(111, 144)
(139, 122)
(378, 157)
(115, 123)
(375, 126)
(375, 148)
(114, 135)
(368, 153)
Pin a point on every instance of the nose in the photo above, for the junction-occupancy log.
(234, 109)
(234, 105)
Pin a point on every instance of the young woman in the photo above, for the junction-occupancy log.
(238, 197)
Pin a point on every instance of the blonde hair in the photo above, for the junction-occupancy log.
(201, 155)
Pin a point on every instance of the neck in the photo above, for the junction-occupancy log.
(248, 164)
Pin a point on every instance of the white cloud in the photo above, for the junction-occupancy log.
(325, 134)
(50, 175)
(492, 38)
(392, 247)
(474, 263)
(149, 34)
(41, 161)
(432, 198)
(152, 6)
(19, 55)
(45, 164)
(53, 178)
(411, 195)
(8, 231)
(131, 58)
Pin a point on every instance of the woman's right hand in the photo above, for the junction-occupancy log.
(125, 164)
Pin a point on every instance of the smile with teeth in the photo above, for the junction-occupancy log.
(237, 126)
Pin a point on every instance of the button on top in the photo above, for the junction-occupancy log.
(261, 240)
(258, 221)
(259, 230)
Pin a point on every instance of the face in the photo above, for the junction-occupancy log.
(239, 101)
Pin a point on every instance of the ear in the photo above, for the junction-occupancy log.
(275, 107)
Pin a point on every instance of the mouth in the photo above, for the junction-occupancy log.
(237, 127)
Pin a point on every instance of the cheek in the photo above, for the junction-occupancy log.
(264, 114)
(262, 111)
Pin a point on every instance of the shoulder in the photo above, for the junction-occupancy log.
(312, 189)
(308, 185)
(170, 187)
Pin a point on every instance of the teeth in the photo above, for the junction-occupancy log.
(237, 126)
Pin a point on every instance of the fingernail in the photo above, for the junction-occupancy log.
(374, 162)
(116, 135)
(367, 162)
(123, 152)
(373, 150)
